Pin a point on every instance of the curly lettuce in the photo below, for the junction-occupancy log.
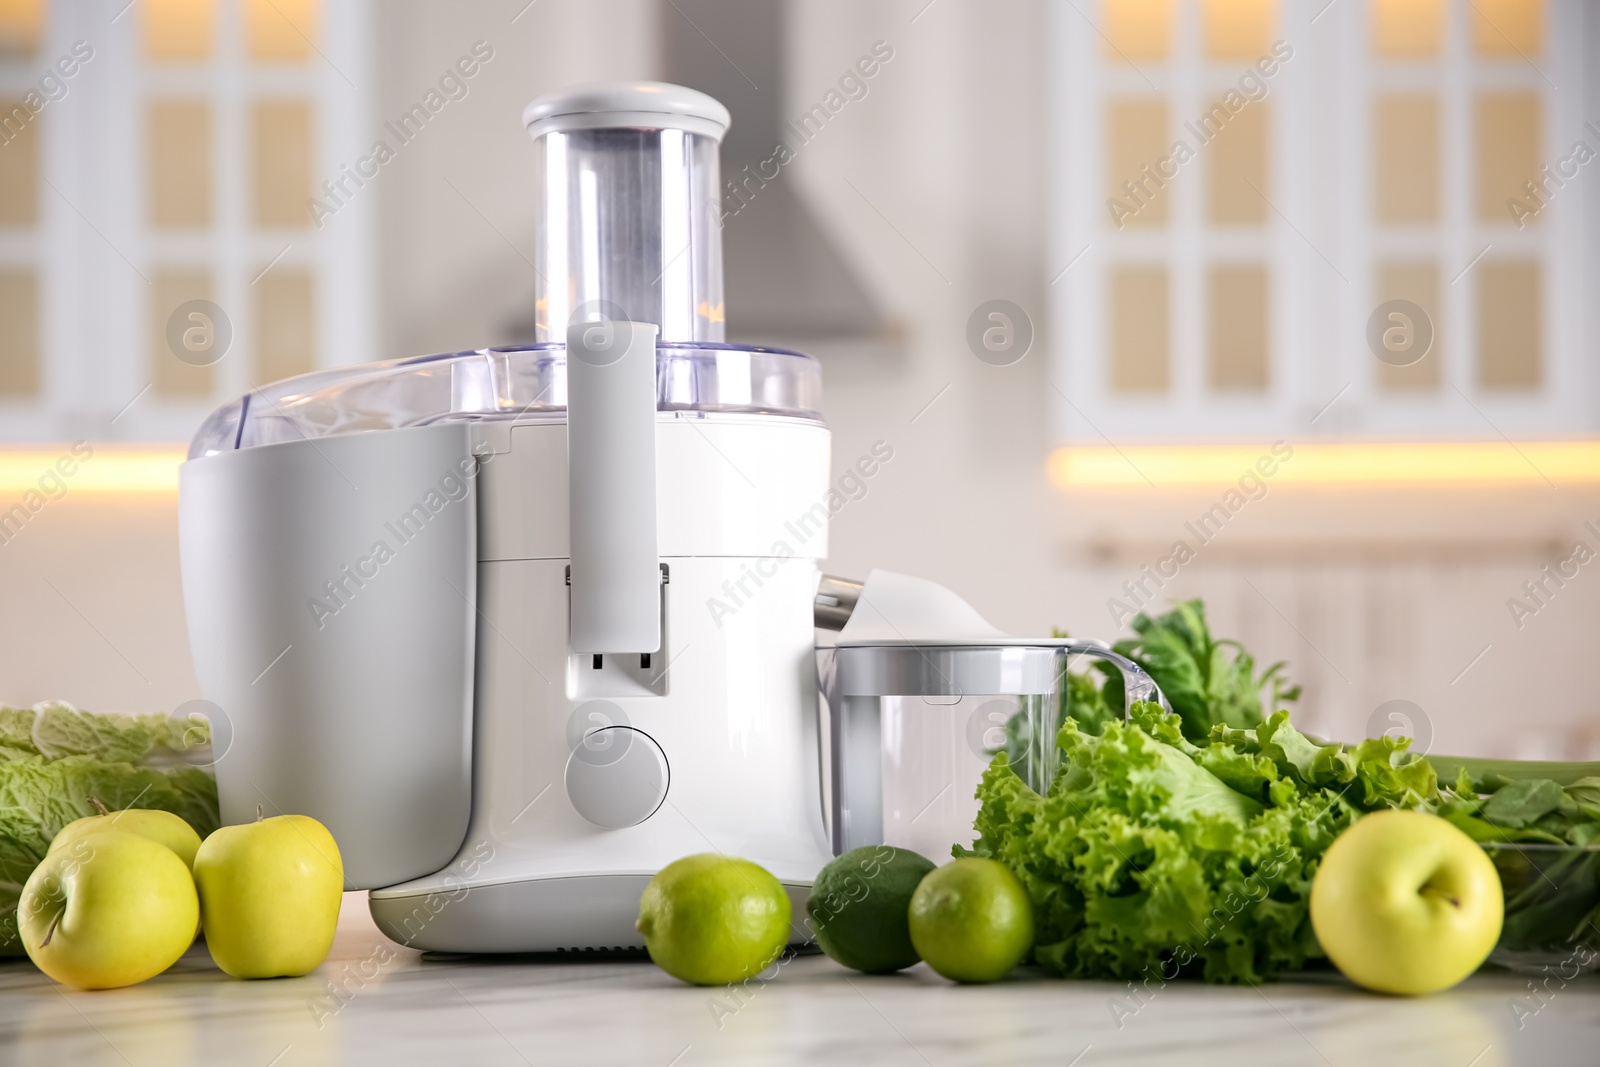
(1153, 857)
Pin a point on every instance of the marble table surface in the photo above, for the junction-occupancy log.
(376, 1003)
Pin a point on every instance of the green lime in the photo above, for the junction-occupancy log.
(971, 920)
(711, 919)
(858, 907)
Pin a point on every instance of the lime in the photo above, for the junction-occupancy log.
(858, 907)
(972, 920)
(711, 919)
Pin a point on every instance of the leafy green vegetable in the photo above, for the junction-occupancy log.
(1586, 792)
(1208, 682)
(1552, 896)
(1154, 857)
(16, 727)
(1085, 704)
(1545, 842)
(1523, 803)
(53, 758)
(1186, 844)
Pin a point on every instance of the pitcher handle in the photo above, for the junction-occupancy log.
(1137, 685)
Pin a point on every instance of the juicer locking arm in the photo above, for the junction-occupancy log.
(615, 574)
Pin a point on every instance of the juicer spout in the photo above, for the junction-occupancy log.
(835, 601)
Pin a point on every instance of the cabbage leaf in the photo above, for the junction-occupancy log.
(54, 758)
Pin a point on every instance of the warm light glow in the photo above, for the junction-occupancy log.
(107, 470)
(1330, 463)
(1136, 30)
(177, 31)
(280, 31)
(1237, 29)
(1508, 28)
(21, 25)
(1407, 28)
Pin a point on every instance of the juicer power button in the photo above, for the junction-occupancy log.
(617, 777)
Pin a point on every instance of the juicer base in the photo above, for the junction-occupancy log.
(573, 914)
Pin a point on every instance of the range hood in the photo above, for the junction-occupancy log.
(787, 282)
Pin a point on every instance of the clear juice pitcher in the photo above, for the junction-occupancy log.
(914, 725)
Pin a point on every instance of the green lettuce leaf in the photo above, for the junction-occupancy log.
(1144, 862)
(1208, 682)
(54, 758)
(1523, 803)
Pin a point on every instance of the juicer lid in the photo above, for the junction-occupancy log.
(636, 104)
(907, 636)
(901, 609)
(520, 384)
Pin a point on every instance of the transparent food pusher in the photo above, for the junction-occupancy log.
(628, 222)
(470, 610)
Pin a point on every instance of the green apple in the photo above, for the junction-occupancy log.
(269, 895)
(1406, 903)
(162, 827)
(109, 909)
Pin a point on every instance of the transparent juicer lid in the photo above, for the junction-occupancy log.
(627, 227)
(526, 384)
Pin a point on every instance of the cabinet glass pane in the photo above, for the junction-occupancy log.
(1237, 29)
(1510, 349)
(179, 153)
(21, 26)
(1406, 158)
(1417, 282)
(1136, 139)
(1407, 29)
(1236, 164)
(1139, 359)
(280, 31)
(1507, 28)
(1507, 136)
(19, 165)
(176, 31)
(173, 377)
(285, 324)
(19, 339)
(1136, 31)
(280, 149)
(1238, 326)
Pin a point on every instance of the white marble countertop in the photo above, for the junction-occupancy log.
(394, 1007)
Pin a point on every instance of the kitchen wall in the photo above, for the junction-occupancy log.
(934, 189)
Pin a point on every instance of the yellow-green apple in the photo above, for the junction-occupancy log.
(269, 895)
(1406, 903)
(162, 827)
(109, 909)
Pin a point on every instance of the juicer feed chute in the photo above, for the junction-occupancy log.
(628, 217)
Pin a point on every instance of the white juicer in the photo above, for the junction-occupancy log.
(522, 626)
(471, 611)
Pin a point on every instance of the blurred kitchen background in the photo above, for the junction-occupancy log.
(1195, 212)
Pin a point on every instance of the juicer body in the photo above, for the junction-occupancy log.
(725, 712)
(440, 722)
